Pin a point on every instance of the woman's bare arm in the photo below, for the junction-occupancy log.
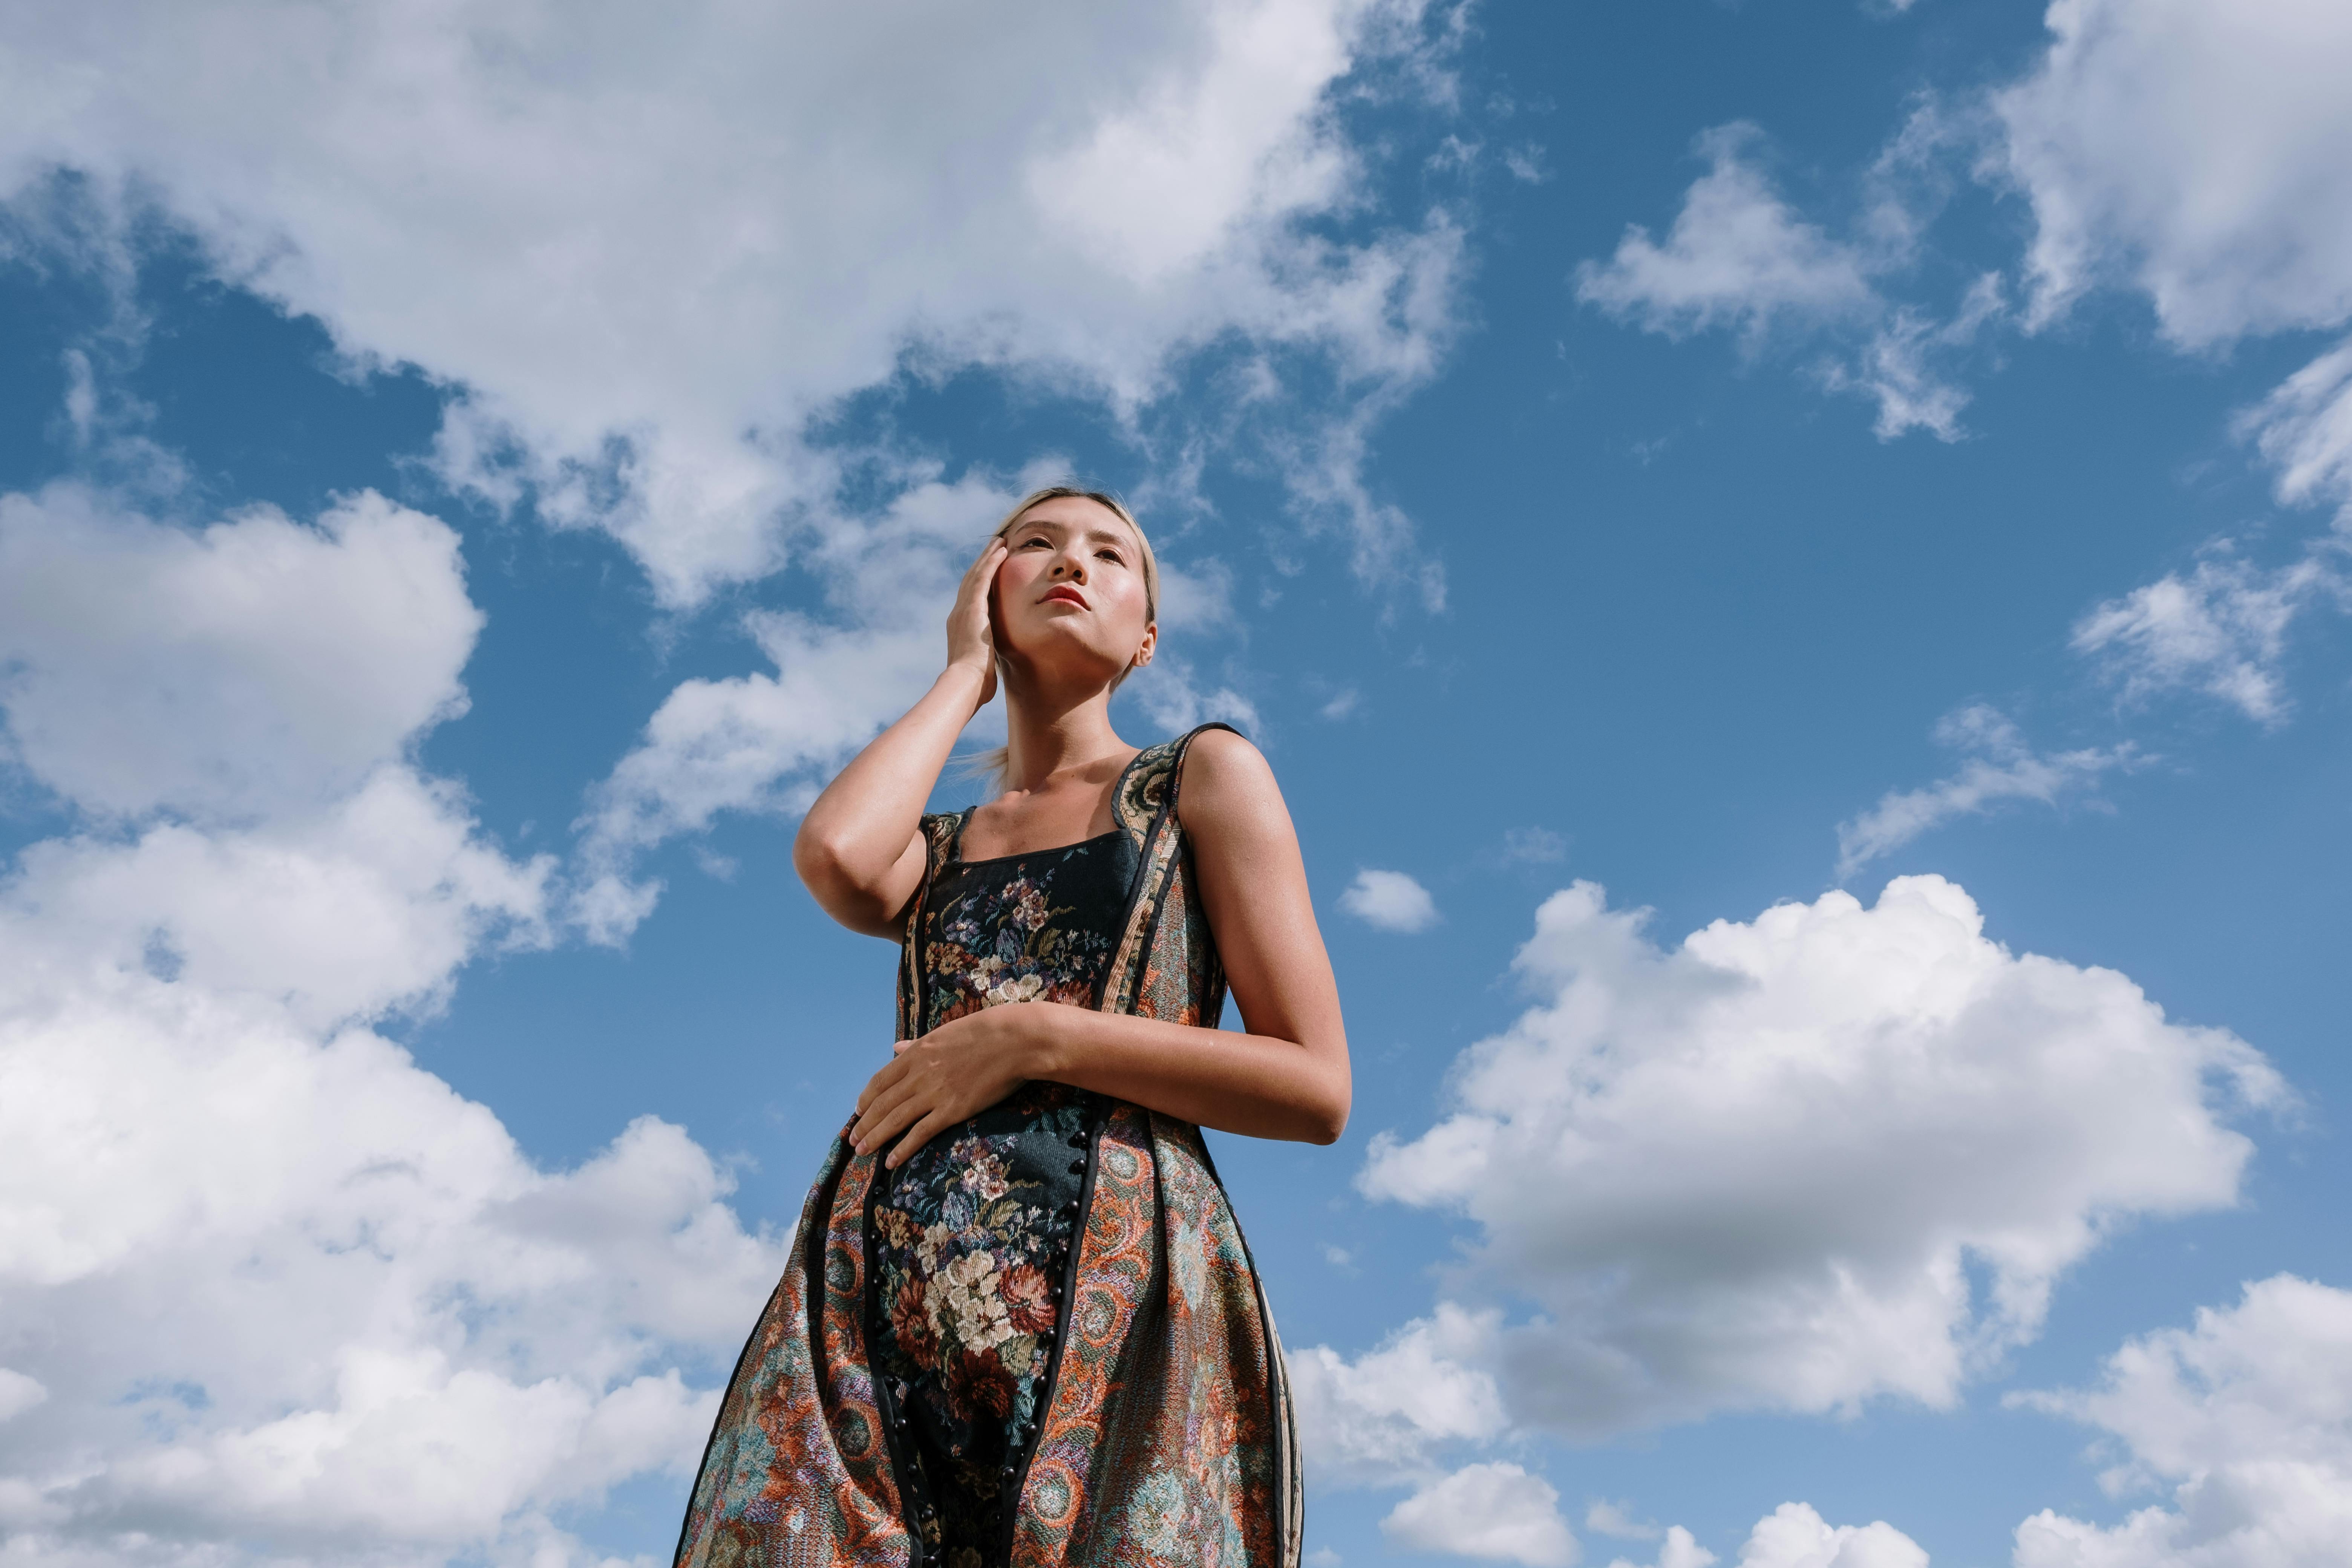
(859, 848)
(1288, 1077)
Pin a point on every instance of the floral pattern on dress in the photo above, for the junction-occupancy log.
(969, 1239)
(1030, 928)
(969, 1257)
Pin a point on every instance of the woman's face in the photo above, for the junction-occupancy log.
(1069, 601)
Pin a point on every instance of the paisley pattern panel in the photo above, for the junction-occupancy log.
(797, 1474)
(1162, 1448)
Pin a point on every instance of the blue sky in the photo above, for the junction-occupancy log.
(1817, 478)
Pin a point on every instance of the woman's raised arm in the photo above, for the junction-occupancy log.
(859, 848)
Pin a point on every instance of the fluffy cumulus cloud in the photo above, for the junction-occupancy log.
(1796, 1536)
(230, 670)
(1677, 1547)
(261, 1278)
(2246, 1417)
(2000, 766)
(2192, 150)
(1388, 1415)
(1766, 1168)
(645, 250)
(1494, 1512)
(1499, 1512)
(1390, 900)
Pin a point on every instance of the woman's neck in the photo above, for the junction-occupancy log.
(1044, 738)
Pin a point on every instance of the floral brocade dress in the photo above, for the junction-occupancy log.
(1040, 1341)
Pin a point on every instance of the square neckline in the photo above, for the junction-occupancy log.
(1117, 793)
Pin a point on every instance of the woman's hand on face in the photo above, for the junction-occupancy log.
(947, 1078)
(972, 638)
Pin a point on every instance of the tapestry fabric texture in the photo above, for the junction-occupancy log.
(1041, 1341)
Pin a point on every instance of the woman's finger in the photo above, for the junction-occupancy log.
(922, 1133)
(885, 1098)
(889, 1073)
(995, 546)
(885, 1121)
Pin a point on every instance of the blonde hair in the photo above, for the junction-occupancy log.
(992, 763)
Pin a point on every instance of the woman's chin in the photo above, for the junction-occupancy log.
(1065, 661)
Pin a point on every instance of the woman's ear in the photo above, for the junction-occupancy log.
(1151, 641)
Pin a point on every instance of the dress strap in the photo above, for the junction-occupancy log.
(1146, 807)
(1147, 793)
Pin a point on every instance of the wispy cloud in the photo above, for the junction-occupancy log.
(2219, 628)
(1739, 258)
(2000, 767)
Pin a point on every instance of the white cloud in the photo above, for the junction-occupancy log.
(1679, 1549)
(1758, 1171)
(1534, 846)
(1390, 900)
(2219, 630)
(302, 1292)
(1174, 701)
(269, 1290)
(18, 1392)
(1896, 367)
(2193, 151)
(1794, 1536)
(2304, 429)
(1606, 1518)
(2003, 768)
(2247, 1417)
(369, 905)
(1495, 1511)
(1384, 1417)
(647, 251)
(225, 671)
(1738, 257)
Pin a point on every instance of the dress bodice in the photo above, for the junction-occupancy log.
(1039, 927)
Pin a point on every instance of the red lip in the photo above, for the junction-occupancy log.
(1066, 595)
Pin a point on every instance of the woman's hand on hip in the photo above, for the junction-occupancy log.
(946, 1078)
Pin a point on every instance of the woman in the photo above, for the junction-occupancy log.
(1019, 1324)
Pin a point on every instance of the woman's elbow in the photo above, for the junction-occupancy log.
(1329, 1118)
(821, 861)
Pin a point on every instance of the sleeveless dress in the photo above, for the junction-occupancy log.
(1041, 1341)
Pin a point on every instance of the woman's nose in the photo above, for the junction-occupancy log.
(1073, 566)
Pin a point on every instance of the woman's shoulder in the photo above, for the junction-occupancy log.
(1224, 777)
(1218, 750)
(1177, 767)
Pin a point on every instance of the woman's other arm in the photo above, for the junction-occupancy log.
(1288, 1077)
(860, 849)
